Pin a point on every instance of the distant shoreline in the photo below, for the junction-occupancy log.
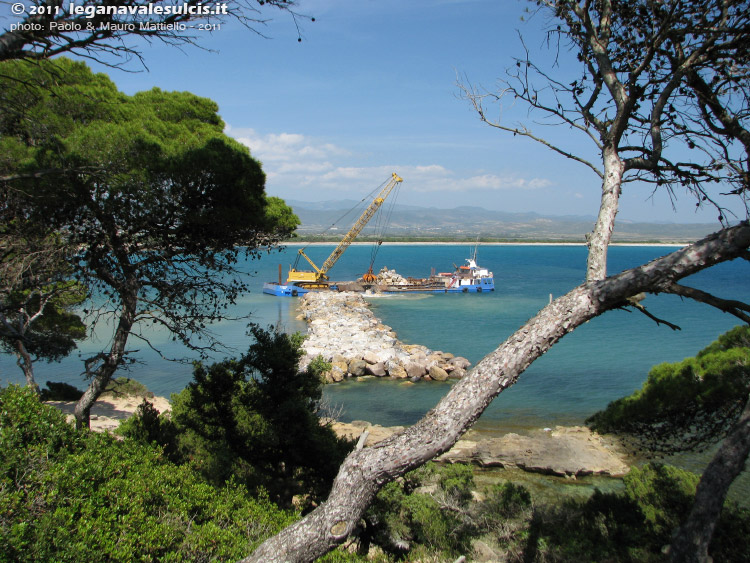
(470, 243)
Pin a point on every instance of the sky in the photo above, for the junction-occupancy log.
(372, 89)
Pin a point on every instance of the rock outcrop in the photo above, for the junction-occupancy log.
(344, 331)
(566, 451)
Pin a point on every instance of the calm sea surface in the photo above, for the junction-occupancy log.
(601, 361)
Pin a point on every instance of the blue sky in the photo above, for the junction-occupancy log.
(372, 89)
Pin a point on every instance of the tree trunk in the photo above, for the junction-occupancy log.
(24, 362)
(690, 543)
(365, 471)
(111, 361)
(598, 240)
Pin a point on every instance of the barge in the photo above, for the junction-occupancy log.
(470, 278)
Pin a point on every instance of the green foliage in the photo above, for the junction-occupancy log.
(689, 403)
(663, 493)
(507, 500)
(67, 496)
(280, 216)
(318, 366)
(58, 391)
(251, 419)
(38, 301)
(126, 387)
(26, 425)
(148, 427)
(738, 337)
(456, 481)
(70, 496)
(632, 526)
(155, 200)
(405, 514)
(418, 518)
(53, 335)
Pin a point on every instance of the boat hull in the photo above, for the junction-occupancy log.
(272, 288)
(292, 290)
(485, 285)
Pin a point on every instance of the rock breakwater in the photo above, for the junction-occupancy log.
(343, 330)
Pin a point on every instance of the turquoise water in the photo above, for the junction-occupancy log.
(601, 361)
(604, 359)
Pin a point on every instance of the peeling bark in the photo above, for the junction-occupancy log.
(27, 366)
(691, 542)
(365, 471)
(598, 240)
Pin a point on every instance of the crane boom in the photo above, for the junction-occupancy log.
(320, 273)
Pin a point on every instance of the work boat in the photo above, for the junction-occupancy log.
(470, 278)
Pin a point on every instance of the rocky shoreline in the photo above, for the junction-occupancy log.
(563, 451)
(344, 332)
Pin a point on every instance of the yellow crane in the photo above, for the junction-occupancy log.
(317, 277)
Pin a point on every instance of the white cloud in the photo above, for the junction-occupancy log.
(437, 178)
(298, 166)
(283, 147)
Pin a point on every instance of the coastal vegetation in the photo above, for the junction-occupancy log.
(253, 420)
(686, 405)
(151, 204)
(151, 200)
(143, 504)
(659, 97)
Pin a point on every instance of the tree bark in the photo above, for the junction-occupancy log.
(365, 471)
(598, 240)
(25, 363)
(691, 542)
(111, 361)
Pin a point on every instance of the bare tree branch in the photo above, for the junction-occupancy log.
(736, 308)
(104, 32)
(476, 99)
(635, 302)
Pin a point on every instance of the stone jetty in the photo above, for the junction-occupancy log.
(343, 330)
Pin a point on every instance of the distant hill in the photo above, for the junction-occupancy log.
(468, 223)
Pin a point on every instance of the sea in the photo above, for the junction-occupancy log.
(605, 359)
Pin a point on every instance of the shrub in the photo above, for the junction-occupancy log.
(318, 367)
(688, 404)
(632, 526)
(251, 419)
(126, 387)
(68, 496)
(148, 427)
(429, 507)
(29, 427)
(57, 391)
(507, 500)
(663, 493)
